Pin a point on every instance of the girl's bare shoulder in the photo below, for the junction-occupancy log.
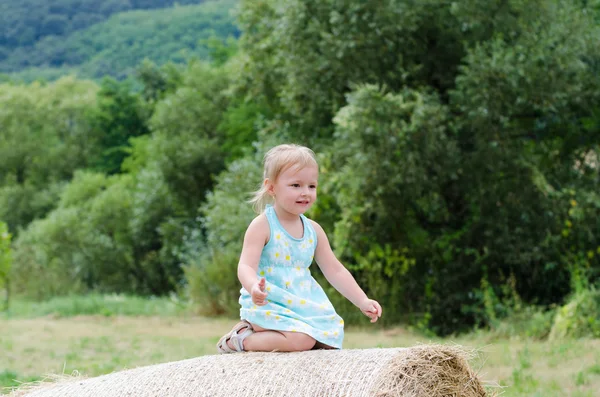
(259, 226)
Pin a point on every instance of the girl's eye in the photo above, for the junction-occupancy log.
(313, 186)
(295, 185)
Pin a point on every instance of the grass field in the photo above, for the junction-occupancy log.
(42, 341)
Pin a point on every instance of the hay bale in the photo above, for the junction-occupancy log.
(420, 371)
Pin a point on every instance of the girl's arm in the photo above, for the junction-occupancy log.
(255, 239)
(340, 277)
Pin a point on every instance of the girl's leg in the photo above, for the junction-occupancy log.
(321, 345)
(265, 340)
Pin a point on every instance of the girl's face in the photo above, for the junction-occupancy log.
(295, 189)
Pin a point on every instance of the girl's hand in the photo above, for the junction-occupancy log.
(259, 296)
(371, 309)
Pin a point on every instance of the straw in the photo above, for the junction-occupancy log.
(428, 370)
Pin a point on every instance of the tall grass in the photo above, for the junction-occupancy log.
(96, 304)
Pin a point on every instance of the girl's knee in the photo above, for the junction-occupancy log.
(300, 342)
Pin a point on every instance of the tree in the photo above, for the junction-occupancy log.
(513, 86)
(303, 57)
(118, 117)
(391, 172)
(46, 135)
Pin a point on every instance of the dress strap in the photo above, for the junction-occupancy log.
(272, 219)
(271, 216)
(308, 228)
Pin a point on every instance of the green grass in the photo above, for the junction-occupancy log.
(96, 334)
(97, 305)
(10, 380)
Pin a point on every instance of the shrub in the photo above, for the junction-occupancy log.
(529, 322)
(579, 317)
(212, 248)
(211, 259)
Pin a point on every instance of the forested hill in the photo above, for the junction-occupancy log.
(94, 38)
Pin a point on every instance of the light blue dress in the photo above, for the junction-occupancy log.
(297, 303)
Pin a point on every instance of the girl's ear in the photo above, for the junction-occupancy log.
(269, 188)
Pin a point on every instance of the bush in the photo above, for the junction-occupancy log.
(530, 322)
(46, 135)
(212, 248)
(393, 160)
(211, 269)
(213, 286)
(84, 244)
(579, 317)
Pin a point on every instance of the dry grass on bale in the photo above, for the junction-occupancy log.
(421, 371)
(430, 370)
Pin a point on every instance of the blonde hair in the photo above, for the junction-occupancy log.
(276, 161)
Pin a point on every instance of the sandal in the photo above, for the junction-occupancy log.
(236, 338)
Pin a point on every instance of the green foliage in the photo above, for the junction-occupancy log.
(503, 84)
(186, 144)
(72, 249)
(211, 259)
(579, 317)
(491, 149)
(459, 145)
(304, 56)
(239, 125)
(107, 234)
(226, 213)
(213, 287)
(123, 233)
(578, 243)
(388, 173)
(34, 254)
(516, 136)
(157, 81)
(528, 322)
(46, 135)
(117, 45)
(61, 17)
(10, 380)
(119, 116)
(220, 51)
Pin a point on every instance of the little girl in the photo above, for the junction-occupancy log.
(282, 306)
